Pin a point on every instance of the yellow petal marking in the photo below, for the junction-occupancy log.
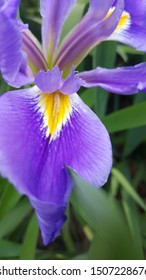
(56, 108)
(124, 21)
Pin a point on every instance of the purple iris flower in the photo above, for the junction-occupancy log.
(46, 128)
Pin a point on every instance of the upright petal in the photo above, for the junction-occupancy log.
(71, 84)
(52, 81)
(96, 13)
(49, 81)
(35, 161)
(78, 44)
(32, 48)
(54, 14)
(131, 29)
(123, 80)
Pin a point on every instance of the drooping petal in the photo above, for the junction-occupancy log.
(11, 55)
(10, 10)
(24, 76)
(41, 135)
(137, 10)
(49, 81)
(85, 36)
(51, 218)
(54, 14)
(131, 29)
(123, 80)
(35, 166)
(88, 144)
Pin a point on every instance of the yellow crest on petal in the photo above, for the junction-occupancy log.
(56, 108)
(124, 21)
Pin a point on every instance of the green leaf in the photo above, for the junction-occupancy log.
(134, 138)
(104, 55)
(30, 240)
(9, 249)
(129, 50)
(66, 234)
(88, 97)
(137, 135)
(128, 188)
(104, 215)
(13, 218)
(133, 116)
(74, 18)
(8, 199)
(3, 86)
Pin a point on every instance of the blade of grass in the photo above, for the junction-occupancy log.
(104, 55)
(28, 249)
(128, 188)
(133, 116)
(13, 218)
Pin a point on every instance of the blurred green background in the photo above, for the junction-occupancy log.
(109, 223)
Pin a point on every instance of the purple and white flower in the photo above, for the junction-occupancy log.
(46, 128)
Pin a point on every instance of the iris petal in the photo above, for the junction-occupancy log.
(54, 14)
(37, 166)
(133, 32)
(12, 59)
(32, 48)
(49, 81)
(71, 84)
(123, 80)
(78, 44)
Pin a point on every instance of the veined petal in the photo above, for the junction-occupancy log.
(89, 147)
(54, 14)
(11, 55)
(131, 29)
(79, 44)
(83, 139)
(34, 165)
(123, 80)
(35, 161)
